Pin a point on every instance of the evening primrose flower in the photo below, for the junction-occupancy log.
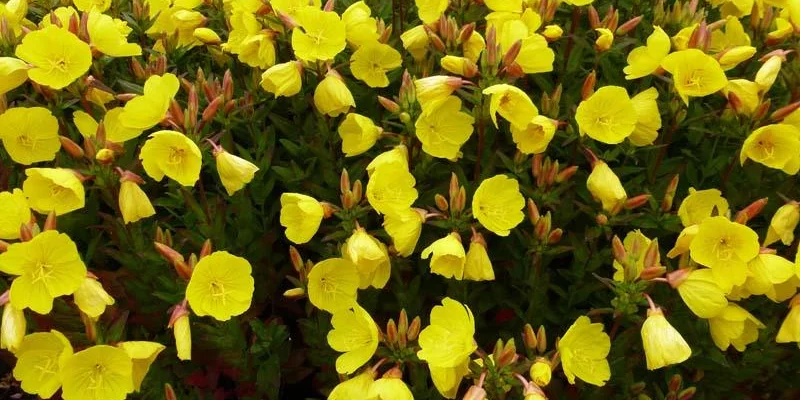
(681, 39)
(448, 379)
(47, 266)
(91, 298)
(534, 137)
(142, 354)
(701, 204)
(699, 291)
(353, 388)
(648, 118)
(782, 225)
(234, 172)
(734, 56)
(355, 334)
(478, 266)
(790, 328)
(372, 61)
(635, 245)
(293, 7)
(768, 72)
(332, 97)
(58, 57)
(583, 351)
(53, 189)
(645, 60)
(109, 35)
(726, 247)
(12, 330)
(88, 5)
(663, 344)
(358, 134)
(534, 56)
(99, 372)
(361, 28)
(370, 257)
(734, 326)
(301, 215)
(221, 286)
(30, 135)
(404, 228)
(459, 65)
(284, 79)
(116, 131)
(321, 35)
(694, 73)
(541, 372)
(171, 154)
(147, 110)
(415, 41)
(133, 201)
(332, 284)
(397, 155)
(498, 203)
(773, 146)
(390, 189)
(40, 359)
(608, 115)
(448, 340)
(512, 104)
(431, 10)
(473, 47)
(748, 93)
(182, 330)
(443, 128)
(390, 388)
(14, 212)
(435, 89)
(766, 273)
(449, 257)
(605, 186)
(605, 38)
(13, 73)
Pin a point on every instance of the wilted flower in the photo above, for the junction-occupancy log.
(512, 104)
(133, 201)
(146, 111)
(478, 266)
(734, 326)
(12, 329)
(790, 328)
(13, 73)
(534, 137)
(663, 344)
(648, 118)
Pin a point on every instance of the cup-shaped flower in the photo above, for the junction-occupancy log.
(361, 28)
(415, 41)
(782, 224)
(332, 97)
(30, 135)
(701, 204)
(87, 5)
(449, 257)
(321, 35)
(355, 334)
(534, 137)
(448, 340)
(726, 247)
(332, 284)
(700, 292)
(435, 88)
(142, 354)
(648, 118)
(390, 189)
(109, 35)
(478, 266)
(370, 257)
(734, 326)
(292, 7)
(372, 61)
(234, 172)
(358, 134)
(498, 203)
(583, 350)
(13, 73)
(58, 57)
(404, 228)
(301, 215)
(221, 286)
(47, 266)
(605, 186)
(14, 212)
(608, 115)
(535, 56)
(40, 360)
(91, 298)
(774, 146)
(512, 104)
(99, 372)
(53, 189)
(171, 154)
(694, 73)
(663, 344)
(443, 128)
(284, 79)
(133, 202)
(146, 111)
(12, 331)
(397, 155)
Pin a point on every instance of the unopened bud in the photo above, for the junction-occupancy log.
(687, 394)
(533, 212)
(26, 232)
(227, 85)
(389, 105)
(466, 32)
(762, 109)
(601, 219)
(629, 25)
(566, 173)
(541, 339)
(491, 46)
(71, 147)
(358, 191)
(552, 32)
(413, 329)
(296, 258)
(441, 202)
(649, 273)
(508, 354)
(105, 156)
(288, 22)
(555, 236)
(637, 387)
(588, 85)
(4, 246)
(675, 383)
(295, 293)
(391, 332)
(594, 18)
(542, 228)
(637, 201)
(475, 393)
(652, 257)
(435, 40)
(212, 108)
(174, 258)
(784, 112)
(669, 194)
(529, 337)
(751, 210)
(512, 53)
(536, 164)
(50, 222)
(169, 392)
(344, 181)
(618, 250)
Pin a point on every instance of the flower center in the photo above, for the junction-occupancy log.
(723, 249)
(25, 141)
(59, 64)
(47, 369)
(56, 190)
(319, 37)
(218, 290)
(42, 272)
(175, 155)
(766, 148)
(695, 79)
(96, 377)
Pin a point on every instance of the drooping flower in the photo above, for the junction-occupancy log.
(355, 334)
(765, 273)
(321, 35)
(146, 111)
(734, 326)
(605, 186)
(782, 224)
(534, 137)
(648, 118)
(133, 201)
(142, 354)
(448, 379)
(699, 291)
(234, 172)
(608, 115)
(284, 79)
(390, 189)
(768, 73)
(404, 228)
(332, 284)
(40, 360)
(182, 330)
(415, 41)
(53, 189)
(360, 26)
(91, 298)
(301, 215)
(726, 247)
(372, 61)
(583, 350)
(88, 5)
(99, 372)
(58, 57)
(449, 257)
(30, 135)
(358, 134)
(448, 340)
(605, 38)
(171, 154)
(13, 73)
(774, 146)
(14, 212)
(293, 7)
(48, 266)
(790, 328)
(512, 104)
(434, 89)
(370, 257)
(694, 73)
(701, 204)
(221, 286)
(443, 128)
(478, 266)
(332, 97)
(663, 344)
(431, 10)
(12, 329)
(459, 65)
(498, 203)
(109, 35)
(645, 60)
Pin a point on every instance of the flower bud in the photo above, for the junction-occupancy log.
(207, 36)
(529, 337)
(629, 25)
(295, 293)
(552, 32)
(566, 173)
(649, 273)
(91, 298)
(389, 105)
(637, 201)
(183, 337)
(541, 339)
(174, 258)
(234, 172)
(588, 85)
(105, 156)
(475, 393)
(413, 329)
(751, 210)
(687, 394)
(675, 383)
(594, 18)
(669, 194)
(541, 372)
(71, 147)
(13, 328)
(542, 228)
(604, 40)
(169, 392)
(618, 250)
(391, 332)
(533, 212)
(555, 236)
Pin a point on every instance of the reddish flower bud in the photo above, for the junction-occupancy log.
(629, 25)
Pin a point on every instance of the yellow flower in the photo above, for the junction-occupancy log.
(552, 32)
(109, 35)
(702, 204)
(449, 257)
(694, 73)
(448, 340)
(116, 131)
(604, 40)
(12, 331)
(301, 215)
(541, 372)
(14, 212)
(497, 204)
(355, 334)
(415, 41)
(358, 134)
(605, 186)
(361, 28)
(608, 115)
(648, 118)
(435, 89)
(504, 5)
(768, 72)
(284, 79)
(583, 350)
(431, 10)
(663, 344)
(86, 124)
(234, 172)
(748, 93)
(636, 245)
(645, 60)
(404, 228)
(684, 241)
(783, 29)
(89, 5)
(681, 39)
(353, 388)
(578, 3)
(534, 137)
(182, 331)
(221, 286)
(443, 128)
(734, 326)
(734, 56)
(321, 35)
(53, 189)
(332, 284)
(133, 202)
(766, 272)
(534, 55)
(207, 36)
(257, 50)
(782, 225)
(788, 332)
(99, 372)
(293, 7)
(332, 97)
(30, 135)
(448, 379)
(91, 298)
(58, 57)
(726, 247)
(142, 354)
(14, 12)
(370, 257)
(372, 61)
(13, 73)
(48, 266)
(398, 155)
(700, 292)
(459, 65)
(478, 266)
(40, 360)
(473, 47)
(512, 104)
(390, 189)
(774, 146)
(147, 110)
(390, 388)
(171, 154)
